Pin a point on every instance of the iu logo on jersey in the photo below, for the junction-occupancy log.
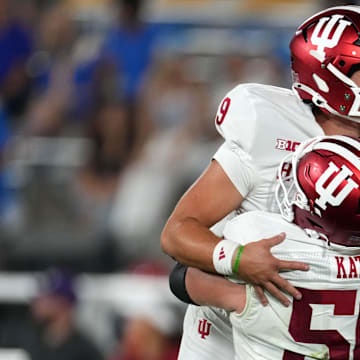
(327, 193)
(321, 35)
(204, 328)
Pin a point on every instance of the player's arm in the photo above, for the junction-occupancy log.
(216, 193)
(224, 294)
(186, 236)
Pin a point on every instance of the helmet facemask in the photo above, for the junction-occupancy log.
(290, 195)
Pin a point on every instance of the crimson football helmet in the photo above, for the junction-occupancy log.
(323, 192)
(325, 52)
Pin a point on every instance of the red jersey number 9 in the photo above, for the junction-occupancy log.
(224, 107)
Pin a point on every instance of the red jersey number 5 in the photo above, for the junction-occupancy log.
(344, 305)
(224, 107)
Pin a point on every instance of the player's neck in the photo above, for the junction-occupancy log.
(334, 125)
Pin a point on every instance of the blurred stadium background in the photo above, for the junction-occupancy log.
(106, 117)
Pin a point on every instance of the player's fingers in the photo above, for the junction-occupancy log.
(261, 295)
(275, 240)
(283, 284)
(292, 265)
(273, 290)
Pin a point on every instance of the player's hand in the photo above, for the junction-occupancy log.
(260, 268)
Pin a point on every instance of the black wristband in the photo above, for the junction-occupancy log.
(177, 283)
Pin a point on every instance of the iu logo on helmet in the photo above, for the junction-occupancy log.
(327, 194)
(325, 26)
(204, 328)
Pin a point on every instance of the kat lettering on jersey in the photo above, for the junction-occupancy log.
(324, 323)
(347, 267)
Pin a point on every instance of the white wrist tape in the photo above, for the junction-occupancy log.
(222, 256)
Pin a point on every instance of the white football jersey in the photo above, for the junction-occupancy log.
(260, 125)
(325, 323)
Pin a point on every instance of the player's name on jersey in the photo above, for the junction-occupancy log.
(348, 267)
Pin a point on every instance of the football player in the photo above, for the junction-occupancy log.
(321, 216)
(259, 124)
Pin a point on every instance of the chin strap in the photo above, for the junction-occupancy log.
(320, 101)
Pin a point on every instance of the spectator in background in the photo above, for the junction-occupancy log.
(151, 332)
(176, 105)
(169, 98)
(11, 214)
(66, 74)
(144, 341)
(112, 141)
(51, 69)
(15, 47)
(129, 47)
(52, 334)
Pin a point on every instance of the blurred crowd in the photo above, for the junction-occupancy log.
(98, 110)
(105, 119)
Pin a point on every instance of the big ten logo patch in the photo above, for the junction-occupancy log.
(286, 145)
(204, 328)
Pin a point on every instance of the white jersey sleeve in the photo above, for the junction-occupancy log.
(236, 122)
(260, 125)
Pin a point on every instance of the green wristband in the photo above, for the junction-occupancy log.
(240, 250)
